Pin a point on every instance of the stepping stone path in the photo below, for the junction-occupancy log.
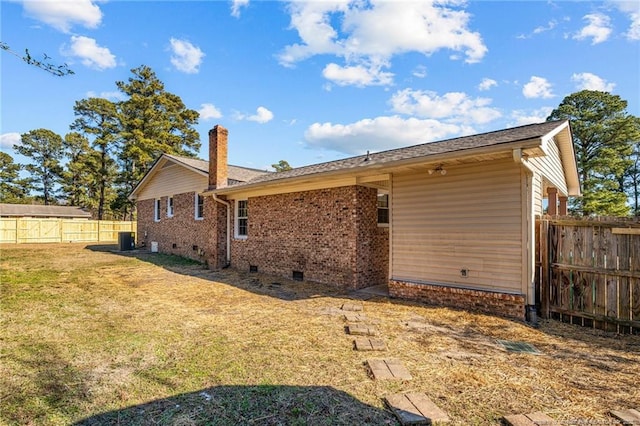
(365, 344)
(388, 369)
(533, 419)
(627, 417)
(361, 330)
(415, 409)
(411, 408)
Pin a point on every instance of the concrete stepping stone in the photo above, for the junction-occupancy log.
(366, 344)
(361, 330)
(350, 306)
(533, 419)
(415, 409)
(627, 417)
(388, 369)
(355, 317)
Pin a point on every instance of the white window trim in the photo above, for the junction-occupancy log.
(195, 207)
(170, 206)
(236, 227)
(156, 210)
(385, 192)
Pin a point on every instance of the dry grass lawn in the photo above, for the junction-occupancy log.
(89, 336)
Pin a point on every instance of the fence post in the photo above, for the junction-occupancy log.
(545, 274)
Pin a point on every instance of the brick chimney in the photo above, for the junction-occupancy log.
(218, 172)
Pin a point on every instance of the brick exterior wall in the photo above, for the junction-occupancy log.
(329, 235)
(183, 235)
(502, 304)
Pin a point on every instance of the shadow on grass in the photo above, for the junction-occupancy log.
(249, 405)
(258, 283)
(286, 289)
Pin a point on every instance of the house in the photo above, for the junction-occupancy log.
(448, 222)
(175, 217)
(42, 211)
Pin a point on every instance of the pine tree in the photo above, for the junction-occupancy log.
(602, 131)
(282, 166)
(97, 119)
(13, 189)
(45, 149)
(78, 178)
(153, 121)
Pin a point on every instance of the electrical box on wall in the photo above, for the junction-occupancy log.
(464, 272)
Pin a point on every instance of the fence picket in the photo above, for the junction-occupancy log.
(593, 272)
(50, 230)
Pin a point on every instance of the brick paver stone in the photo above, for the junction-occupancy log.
(366, 344)
(361, 330)
(415, 408)
(629, 416)
(350, 306)
(388, 369)
(533, 419)
(355, 317)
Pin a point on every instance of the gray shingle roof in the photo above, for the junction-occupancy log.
(35, 210)
(237, 174)
(522, 133)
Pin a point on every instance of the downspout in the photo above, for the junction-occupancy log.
(529, 234)
(228, 250)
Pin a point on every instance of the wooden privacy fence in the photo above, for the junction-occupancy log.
(589, 272)
(52, 230)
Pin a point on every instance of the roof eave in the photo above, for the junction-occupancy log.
(383, 167)
(154, 169)
(564, 139)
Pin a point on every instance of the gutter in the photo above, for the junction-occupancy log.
(228, 205)
(529, 234)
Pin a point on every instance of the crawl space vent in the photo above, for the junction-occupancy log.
(521, 347)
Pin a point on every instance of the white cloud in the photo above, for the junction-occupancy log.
(521, 117)
(452, 107)
(7, 140)
(537, 87)
(598, 29)
(373, 32)
(486, 84)
(550, 25)
(378, 134)
(631, 8)
(358, 75)
(62, 15)
(262, 115)
(237, 5)
(420, 71)
(185, 56)
(588, 81)
(114, 96)
(209, 111)
(90, 54)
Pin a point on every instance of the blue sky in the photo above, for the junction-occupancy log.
(316, 81)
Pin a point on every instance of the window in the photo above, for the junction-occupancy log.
(242, 218)
(383, 208)
(199, 208)
(169, 206)
(156, 209)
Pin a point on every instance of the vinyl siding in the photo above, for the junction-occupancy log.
(537, 194)
(171, 180)
(469, 218)
(550, 167)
